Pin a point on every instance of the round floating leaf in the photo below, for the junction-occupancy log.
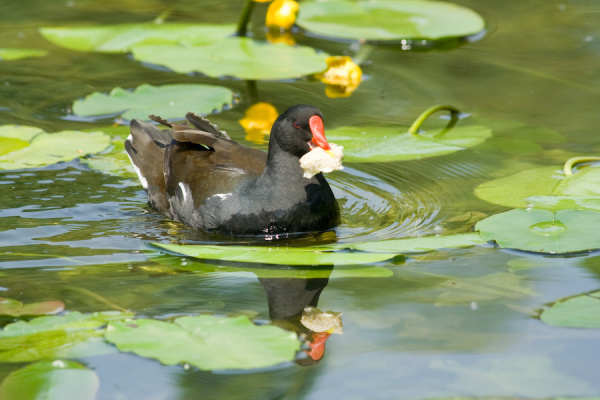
(388, 143)
(167, 101)
(239, 57)
(206, 342)
(59, 379)
(31, 147)
(275, 255)
(543, 231)
(578, 312)
(388, 20)
(120, 38)
(69, 336)
(14, 308)
(16, 54)
(546, 187)
(116, 161)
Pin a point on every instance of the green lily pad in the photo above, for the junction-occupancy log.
(120, 38)
(275, 255)
(167, 101)
(389, 143)
(17, 54)
(206, 342)
(388, 20)
(239, 57)
(14, 308)
(421, 244)
(115, 161)
(28, 147)
(543, 231)
(546, 187)
(58, 379)
(286, 271)
(581, 311)
(73, 335)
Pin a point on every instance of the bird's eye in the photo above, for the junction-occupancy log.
(296, 125)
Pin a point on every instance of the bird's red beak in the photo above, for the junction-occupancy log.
(318, 130)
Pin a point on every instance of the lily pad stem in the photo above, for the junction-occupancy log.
(162, 17)
(454, 112)
(568, 168)
(244, 18)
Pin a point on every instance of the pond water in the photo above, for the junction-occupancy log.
(448, 323)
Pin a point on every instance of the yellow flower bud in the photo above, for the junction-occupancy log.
(281, 14)
(257, 122)
(342, 76)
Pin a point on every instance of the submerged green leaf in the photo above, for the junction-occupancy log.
(239, 57)
(546, 187)
(58, 379)
(275, 255)
(206, 342)
(581, 311)
(17, 54)
(28, 147)
(388, 20)
(69, 336)
(120, 38)
(14, 308)
(389, 143)
(543, 231)
(421, 244)
(168, 101)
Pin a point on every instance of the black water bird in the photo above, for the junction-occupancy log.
(199, 176)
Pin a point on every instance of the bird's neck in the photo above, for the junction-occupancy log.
(282, 165)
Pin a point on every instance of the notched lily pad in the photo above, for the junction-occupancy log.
(168, 101)
(206, 342)
(581, 311)
(29, 147)
(239, 57)
(388, 20)
(115, 160)
(546, 187)
(120, 38)
(17, 54)
(543, 231)
(275, 255)
(391, 143)
(14, 308)
(58, 379)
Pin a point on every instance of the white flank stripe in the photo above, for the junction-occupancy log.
(183, 191)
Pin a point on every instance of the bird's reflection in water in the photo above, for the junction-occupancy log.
(293, 305)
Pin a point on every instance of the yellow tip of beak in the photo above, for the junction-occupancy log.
(330, 152)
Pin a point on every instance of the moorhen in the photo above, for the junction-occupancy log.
(199, 176)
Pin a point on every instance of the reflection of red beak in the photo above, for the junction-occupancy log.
(318, 130)
(317, 346)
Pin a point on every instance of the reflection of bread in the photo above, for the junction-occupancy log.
(322, 321)
(318, 160)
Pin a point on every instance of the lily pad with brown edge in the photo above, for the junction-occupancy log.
(206, 342)
(238, 57)
(550, 188)
(385, 20)
(120, 38)
(51, 379)
(17, 54)
(29, 147)
(543, 231)
(581, 311)
(14, 308)
(167, 101)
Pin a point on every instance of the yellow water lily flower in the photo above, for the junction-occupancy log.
(342, 76)
(281, 14)
(257, 122)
